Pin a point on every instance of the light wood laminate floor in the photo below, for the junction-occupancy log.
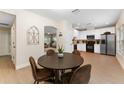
(9, 75)
(105, 70)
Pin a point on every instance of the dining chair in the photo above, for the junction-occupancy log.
(50, 52)
(39, 74)
(80, 76)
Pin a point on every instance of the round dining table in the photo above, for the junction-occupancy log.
(69, 61)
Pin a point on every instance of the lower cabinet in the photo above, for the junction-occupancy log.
(81, 47)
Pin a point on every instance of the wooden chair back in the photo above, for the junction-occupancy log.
(33, 67)
(50, 52)
(81, 75)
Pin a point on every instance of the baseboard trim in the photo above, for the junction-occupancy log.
(4, 54)
(22, 66)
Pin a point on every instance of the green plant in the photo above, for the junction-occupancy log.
(60, 49)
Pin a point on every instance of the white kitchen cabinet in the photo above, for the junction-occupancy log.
(96, 48)
(81, 47)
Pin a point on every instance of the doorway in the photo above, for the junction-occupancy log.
(8, 37)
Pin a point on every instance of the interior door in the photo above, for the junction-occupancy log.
(13, 42)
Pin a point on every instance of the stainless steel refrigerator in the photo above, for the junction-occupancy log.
(108, 44)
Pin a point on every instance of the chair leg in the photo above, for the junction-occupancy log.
(62, 71)
(35, 82)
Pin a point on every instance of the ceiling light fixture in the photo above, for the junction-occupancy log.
(75, 11)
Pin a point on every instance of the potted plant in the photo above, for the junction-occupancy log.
(60, 51)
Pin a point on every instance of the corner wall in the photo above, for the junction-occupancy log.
(119, 54)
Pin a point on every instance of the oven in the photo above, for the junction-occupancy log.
(90, 43)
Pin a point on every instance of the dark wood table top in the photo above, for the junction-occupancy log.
(69, 61)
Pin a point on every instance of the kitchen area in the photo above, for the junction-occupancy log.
(101, 41)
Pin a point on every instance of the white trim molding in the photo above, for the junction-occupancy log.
(22, 66)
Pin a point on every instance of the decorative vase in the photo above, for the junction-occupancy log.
(60, 55)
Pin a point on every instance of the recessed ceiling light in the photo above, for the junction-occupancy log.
(94, 24)
(106, 23)
(61, 10)
(90, 19)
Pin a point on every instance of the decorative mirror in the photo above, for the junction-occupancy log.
(50, 37)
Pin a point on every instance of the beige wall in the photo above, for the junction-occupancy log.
(119, 54)
(66, 40)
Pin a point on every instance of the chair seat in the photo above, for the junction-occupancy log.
(43, 74)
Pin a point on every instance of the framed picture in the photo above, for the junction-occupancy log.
(33, 36)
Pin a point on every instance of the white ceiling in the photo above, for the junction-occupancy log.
(6, 20)
(84, 18)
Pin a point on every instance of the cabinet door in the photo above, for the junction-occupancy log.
(81, 47)
(111, 49)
